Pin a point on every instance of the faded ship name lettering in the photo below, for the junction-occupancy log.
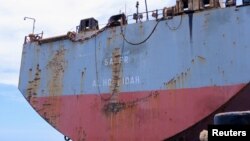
(110, 61)
(128, 80)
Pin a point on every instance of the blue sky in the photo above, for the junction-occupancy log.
(18, 121)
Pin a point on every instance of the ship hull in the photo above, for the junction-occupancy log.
(150, 115)
(111, 86)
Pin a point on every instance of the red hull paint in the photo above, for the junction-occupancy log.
(144, 116)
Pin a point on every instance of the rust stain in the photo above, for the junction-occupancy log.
(112, 36)
(112, 108)
(56, 70)
(112, 126)
(178, 81)
(221, 71)
(116, 74)
(127, 110)
(201, 59)
(81, 134)
(192, 61)
(33, 86)
(82, 79)
(51, 110)
(152, 94)
(109, 40)
(171, 84)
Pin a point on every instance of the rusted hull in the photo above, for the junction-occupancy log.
(166, 87)
(149, 115)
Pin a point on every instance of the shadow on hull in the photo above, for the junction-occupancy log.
(240, 102)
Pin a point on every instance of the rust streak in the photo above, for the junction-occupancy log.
(56, 68)
(51, 110)
(178, 81)
(52, 106)
(82, 79)
(201, 59)
(171, 84)
(81, 134)
(116, 74)
(109, 40)
(33, 86)
(114, 108)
